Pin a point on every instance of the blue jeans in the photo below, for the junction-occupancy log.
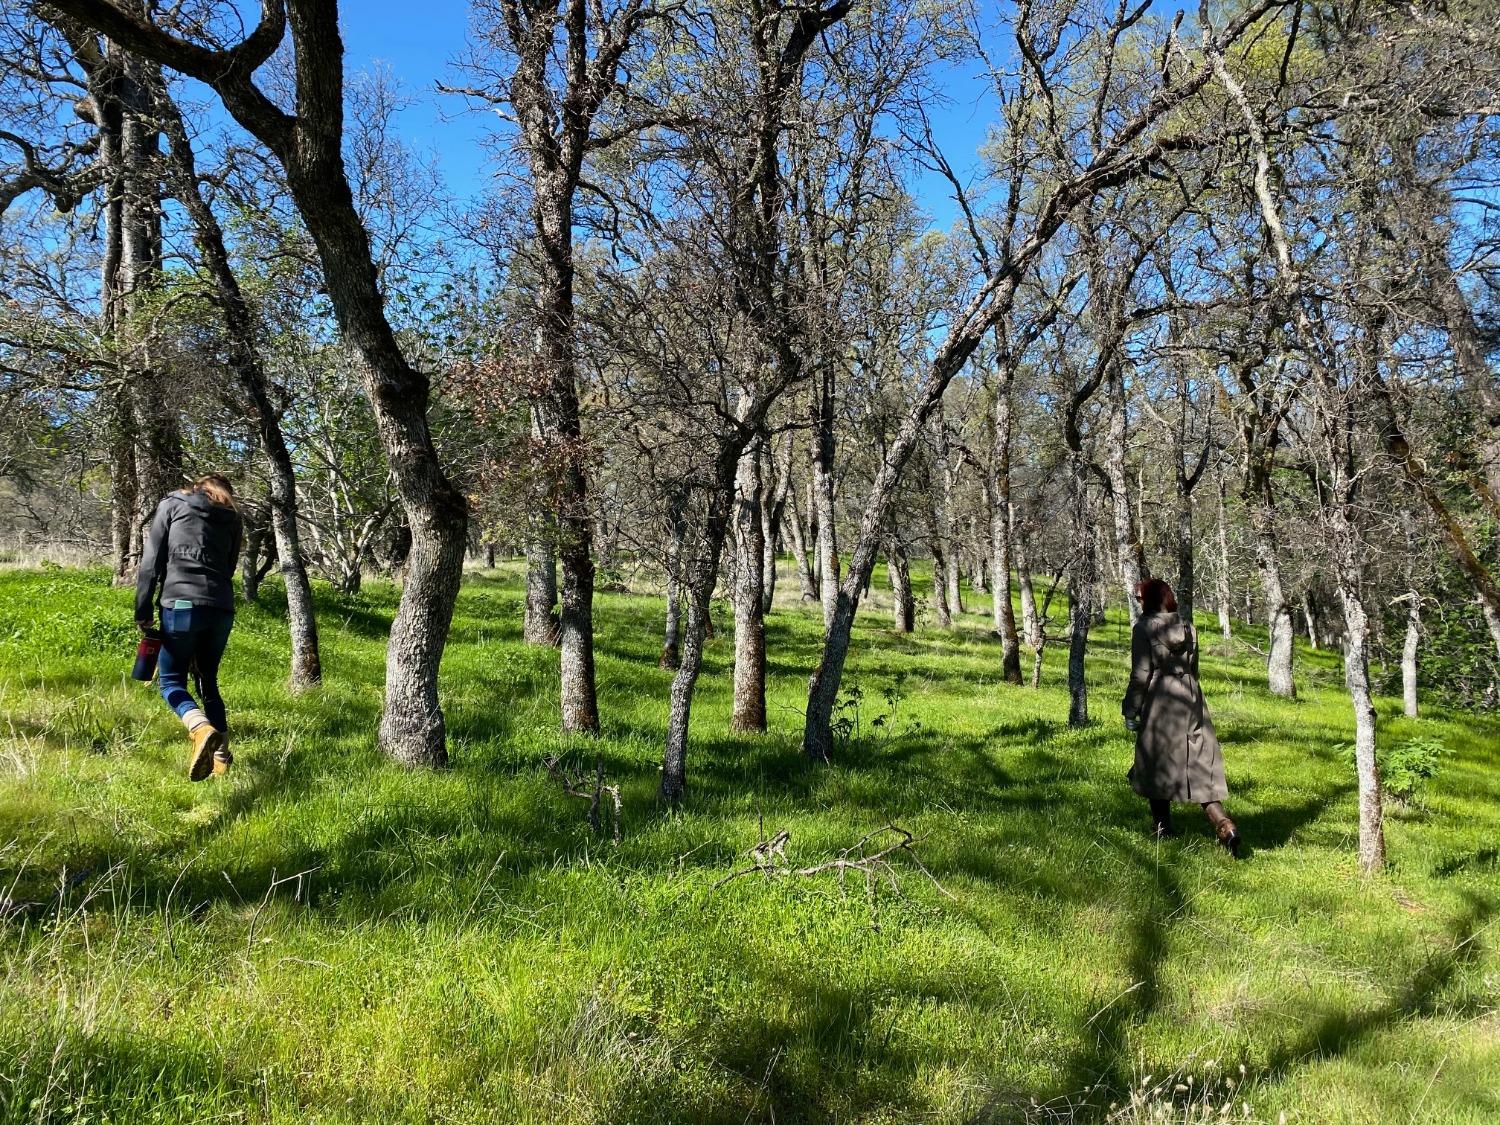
(193, 640)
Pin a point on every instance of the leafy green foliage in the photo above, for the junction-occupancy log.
(1406, 767)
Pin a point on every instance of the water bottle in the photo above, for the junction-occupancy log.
(145, 656)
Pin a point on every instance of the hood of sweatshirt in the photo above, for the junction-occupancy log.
(1173, 633)
(213, 513)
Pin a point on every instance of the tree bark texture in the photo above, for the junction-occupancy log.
(1221, 575)
(904, 609)
(1000, 533)
(671, 652)
(1130, 554)
(822, 493)
(749, 712)
(806, 580)
(1081, 577)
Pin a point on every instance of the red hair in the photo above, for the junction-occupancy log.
(1156, 596)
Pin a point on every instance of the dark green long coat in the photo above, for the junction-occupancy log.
(1177, 756)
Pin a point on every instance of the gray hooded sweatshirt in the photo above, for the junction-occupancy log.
(190, 552)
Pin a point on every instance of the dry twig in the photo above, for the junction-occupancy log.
(575, 785)
(770, 859)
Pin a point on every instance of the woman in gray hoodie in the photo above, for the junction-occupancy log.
(186, 573)
(1177, 755)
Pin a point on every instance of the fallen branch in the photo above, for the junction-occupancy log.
(874, 865)
(574, 784)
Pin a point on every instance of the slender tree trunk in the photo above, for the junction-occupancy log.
(1000, 534)
(773, 513)
(1080, 595)
(805, 577)
(1187, 578)
(941, 607)
(947, 522)
(700, 572)
(1031, 620)
(904, 611)
(1361, 698)
(1409, 648)
(255, 537)
(822, 492)
(1130, 555)
(749, 620)
(1221, 578)
(670, 651)
(1259, 501)
(559, 427)
(1310, 619)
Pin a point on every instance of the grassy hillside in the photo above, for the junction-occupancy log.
(325, 937)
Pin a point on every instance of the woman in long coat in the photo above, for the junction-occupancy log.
(1177, 756)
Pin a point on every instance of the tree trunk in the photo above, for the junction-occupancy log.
(1187, 578)
(540, 626)
(1080, 594)
(1130, 555)
(805, 577)
(700, 572)
(1031, 620)
(1357, 679)
(749, 712)
(1409, 649)
(940, 604)
(671, 655)
(1000, 533)
(1221, 577)
(1258, 500)
(904, 611)
(822, 493)
(255, 537)
(774, 497)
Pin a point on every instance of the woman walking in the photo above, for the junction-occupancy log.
(186, 571)
(1177, 756)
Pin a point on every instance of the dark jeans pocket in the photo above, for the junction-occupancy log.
(177, 619)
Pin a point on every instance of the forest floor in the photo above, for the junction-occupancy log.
(324, 936)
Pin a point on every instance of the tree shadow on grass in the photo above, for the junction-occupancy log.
(1099, 1074)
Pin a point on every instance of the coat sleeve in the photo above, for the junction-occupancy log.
(239, 543)
(1140, 673)
(153, 563)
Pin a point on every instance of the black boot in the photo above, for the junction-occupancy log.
(1224, 828)
(1161, 820)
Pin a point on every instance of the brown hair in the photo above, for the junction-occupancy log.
(217, 488)
(1156, 596)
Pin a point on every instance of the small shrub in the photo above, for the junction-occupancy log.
(1406, 767)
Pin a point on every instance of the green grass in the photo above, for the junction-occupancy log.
(326, 937)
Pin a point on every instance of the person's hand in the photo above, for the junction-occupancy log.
(144, 626)
(1132, 724)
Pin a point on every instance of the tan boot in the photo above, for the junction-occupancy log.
(206, 744)
(223, 759)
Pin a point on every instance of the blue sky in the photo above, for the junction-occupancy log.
(418, 43)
